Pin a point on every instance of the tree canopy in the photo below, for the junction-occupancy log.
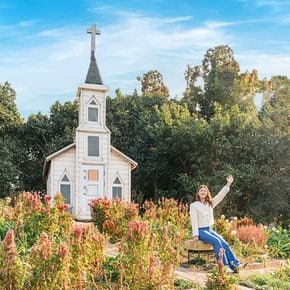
(212, 131)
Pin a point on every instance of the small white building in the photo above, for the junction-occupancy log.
(90, 167)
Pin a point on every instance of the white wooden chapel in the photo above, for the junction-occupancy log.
(90, 167)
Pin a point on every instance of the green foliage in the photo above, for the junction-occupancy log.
(9, 121)
(176, 144)
(9, 115)
(219, 280)
(44, 249)
(279, 279)
(41, 136)
(279, 242)
(181, 284)
(152, 84)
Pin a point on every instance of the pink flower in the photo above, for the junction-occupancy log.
(63, 250)
(45, 246)
(78, 232)
(47, 199)
(137, 229)
(9, 246)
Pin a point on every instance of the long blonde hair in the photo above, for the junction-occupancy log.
(208, 198)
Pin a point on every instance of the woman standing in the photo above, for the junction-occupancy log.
(201, 214)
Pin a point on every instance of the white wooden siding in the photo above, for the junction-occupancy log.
(123, 169)
(61, 163)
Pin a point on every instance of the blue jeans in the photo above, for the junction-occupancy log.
(209, 236)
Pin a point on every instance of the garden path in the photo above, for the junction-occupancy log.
(199, 276)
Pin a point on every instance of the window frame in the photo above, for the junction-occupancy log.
(88, 149)
(118, 186)
(93, 106)
(66, 182)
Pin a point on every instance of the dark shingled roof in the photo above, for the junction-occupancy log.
(93, 75)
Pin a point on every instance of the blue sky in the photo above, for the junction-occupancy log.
(45, 50)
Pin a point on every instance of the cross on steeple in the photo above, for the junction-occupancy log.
(93, 31)
(93, 75)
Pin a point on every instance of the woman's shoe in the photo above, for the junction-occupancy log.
(229, 270)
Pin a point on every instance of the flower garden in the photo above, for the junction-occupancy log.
(42, 247)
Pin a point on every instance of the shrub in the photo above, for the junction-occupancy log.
(32, 217)
(12, 270)
(227, 228)
(141, 266)
(251, 234)
(151, 248)
(218, 279)
(279, 242)
(279, 279)
(112, 216)
(45, 249)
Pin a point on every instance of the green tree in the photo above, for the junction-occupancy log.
(130, 119)
(153, 85)
(9, 114)
(42, 135)
(220, 82)
(9, 120)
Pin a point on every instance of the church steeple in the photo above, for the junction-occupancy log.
(93, 75)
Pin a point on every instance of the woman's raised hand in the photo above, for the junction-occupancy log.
(230, 180)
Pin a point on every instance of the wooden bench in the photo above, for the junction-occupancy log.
(197, 248)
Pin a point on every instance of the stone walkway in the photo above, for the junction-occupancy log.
(198, 276)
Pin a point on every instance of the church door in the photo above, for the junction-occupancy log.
(92, 187)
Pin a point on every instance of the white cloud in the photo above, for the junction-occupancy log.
(267, 65)
(276, 5)
(26, 23)
(52, 70)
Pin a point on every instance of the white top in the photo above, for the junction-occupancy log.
(202, 214)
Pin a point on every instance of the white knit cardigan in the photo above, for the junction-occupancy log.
(202, 214)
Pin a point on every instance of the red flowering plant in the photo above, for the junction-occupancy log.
(13, 270)
(218, 279)
(138, 263)
(50, 263)
(150, 249)
(112, 216)
(69, 264)
(87, 247)
(251, 234)
(253, 239)
(33, 215)
(170, 219)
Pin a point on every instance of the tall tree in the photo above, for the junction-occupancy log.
(153, 85)
(130, 119)
(9, 114)
(220, 82)
(41, 136)
(9, 120)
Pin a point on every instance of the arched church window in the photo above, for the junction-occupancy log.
(65, 189)
(117, 188)
(93, 112)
